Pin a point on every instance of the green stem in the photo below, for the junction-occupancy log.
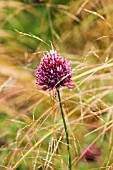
(66, 131)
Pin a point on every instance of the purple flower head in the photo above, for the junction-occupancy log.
(53, 72)
(92, 153)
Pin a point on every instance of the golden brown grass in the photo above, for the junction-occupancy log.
(31, 129)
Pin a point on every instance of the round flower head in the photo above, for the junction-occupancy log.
(53, 72)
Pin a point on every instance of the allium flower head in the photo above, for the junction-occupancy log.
(92, 153)
(53, 72)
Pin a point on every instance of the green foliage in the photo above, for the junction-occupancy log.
(31, 129)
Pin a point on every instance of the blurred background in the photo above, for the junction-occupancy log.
(82, 32)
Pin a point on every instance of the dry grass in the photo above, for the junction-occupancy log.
(31, 129)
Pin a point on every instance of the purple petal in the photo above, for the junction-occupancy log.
(71, 85)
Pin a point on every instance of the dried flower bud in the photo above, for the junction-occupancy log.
(53, 72)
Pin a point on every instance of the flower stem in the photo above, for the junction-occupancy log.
(66, 131)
